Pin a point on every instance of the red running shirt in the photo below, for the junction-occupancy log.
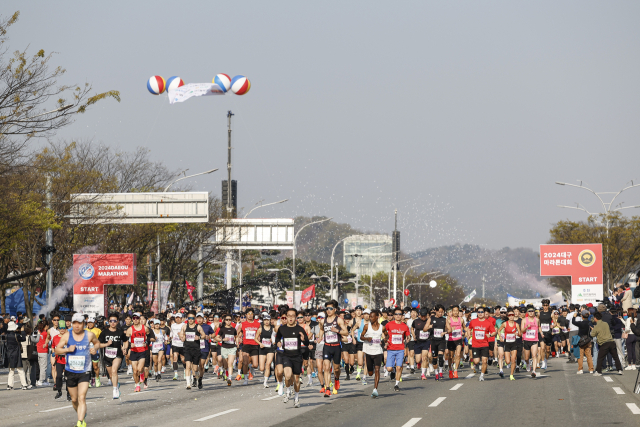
(397, 332)
(249, 330)
(480, 329)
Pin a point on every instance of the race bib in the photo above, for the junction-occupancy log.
(349, 339)
(376, 341)
(191, 336)
(456, 334)
(479, 335)
(138, 342)
(76, 363)
(510, 338)
(176, 341)
(266, 342)
(229, 339)
(110, 352)
(437, 333)
(424, 335)
(250, 334)
(203, 345)
(396, 339)
(544, 327)
(331, 337)
(556, 330)
(157, 346)
(291, 343)
(530, 334)
(564, 329)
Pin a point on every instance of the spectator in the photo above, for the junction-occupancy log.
(602, 333)
(30, 370)
(625, 301)
(617, 328)
(14, 350)
(43, 352)
(629, 318)
(583, 331)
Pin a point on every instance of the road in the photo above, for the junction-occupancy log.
(558, 397)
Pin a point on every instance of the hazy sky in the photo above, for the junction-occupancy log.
(461, 115)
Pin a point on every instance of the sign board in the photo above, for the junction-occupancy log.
(139, 208)
(92, 272)
(255, 234)
(583, 262)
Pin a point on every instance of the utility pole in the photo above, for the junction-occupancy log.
(49, 238)
(229, 204)
(200, 273)
(395, 258)
(158, 277)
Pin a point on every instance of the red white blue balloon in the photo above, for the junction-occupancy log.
(240, 85)
(156, 85)
(174, 83)
(222, 80)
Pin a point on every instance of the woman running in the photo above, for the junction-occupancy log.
(157, 348)
(226, 336)
(456, 330)
(530, 340)
(266, 336)
(509, 331)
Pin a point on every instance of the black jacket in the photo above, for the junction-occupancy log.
(583, 326)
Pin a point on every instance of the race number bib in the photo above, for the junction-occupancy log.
(110, 352)
(349, 339)
(556, 330)
(291, 343)
(331, 338)
(203, 345)
(176, 341)
(396, 339)
(229, 339)
(266, 342)
(138, 342)
(530, 334)
(250, 334)
(191, 336)
(479, 335)
(424, 335)
(157, 346)
(76, 363)
(544, 327)
(375, 341)
(437, 333)
(510, 338)
(456, 334)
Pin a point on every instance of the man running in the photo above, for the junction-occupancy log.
(191, 334)
(292, 337)
(75, 346)
(397, 333)
(438, 326)
(330, 328)
(420, 333)
(250, 347)
(205, 345)
(177, 345)
(371, 337)
(115, 338)
(137, 335)
(546, 343)
(95, 358)
(480, 329)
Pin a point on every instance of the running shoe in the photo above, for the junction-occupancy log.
(296, 403)
(175, 376)
(92, 383)
(544, 364)
(162, 370)
(246, 381)
(137, 388)
(228, 382)
(68, 397)
(280, 389)
(58, 395)
(392, 375)
(423, 377)
(250, 375)
(348, 377)
(146, 386)
(200, 383)
(109, 383)
(364, 382)
(396, 388)
(286, 398)
(335, 390)
(98, 383)
(455, 374)
(450, 375)
(239, 377)
(501, 374)
(327, 393)
(337, 385)
(579, 372)
(413, 371)
(322, 390)
(188, 385)
(374, 394)
(533, 374)
(265, 384)
(517, 368)
(358, 377)
(481, 377)
(511, 378)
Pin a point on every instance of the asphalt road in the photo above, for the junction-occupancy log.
(559, 396)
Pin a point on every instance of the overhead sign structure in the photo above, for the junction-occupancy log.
(255, 234)
(92, 272)
(139, 208)
(583, 262)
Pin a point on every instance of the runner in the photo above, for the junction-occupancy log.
(137, 335)
(438, 326)
(191, 334)
(300, 318)
(546, 338)
(500, 339)
(113, 353)
(205, 345)
(411, 344)
(60, 362)
(397, 333)
(420, 333)
(177, 346)
(371, 336)
(480, 329)
(95, 358)
(51, 333)
(75, 346)
(330, 328)
(348, 346)
(127, 324)
(510, 331)
(292, 337)
(315, 330)
(530, 331)
(157, 348)
(167, 343)
(250, 347)
(279, 367)
(359, 319)
(266, 337)
(456, 330)
(226, 336)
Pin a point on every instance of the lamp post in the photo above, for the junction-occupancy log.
(403, 278)
(316, 277)
(606, 206)
(333, 251)
(293, 275)
(276, 270)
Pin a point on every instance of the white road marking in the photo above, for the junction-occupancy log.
(457, 386)
(437, 402)
(62, 407)
(608, 379)
(411, 422)
(470, 376)
(272, 397)
(618, 390)
(634, 408)
(216, 415)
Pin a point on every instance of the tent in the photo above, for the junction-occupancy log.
(14, 302)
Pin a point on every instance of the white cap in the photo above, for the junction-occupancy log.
(321, 314)
(366, 311)
(407, 316)
(91, 319)
(77, 318)
(137, 314)
(199, 315)
(178, 315)
(12, 318)
(156, 322)
(12, 326)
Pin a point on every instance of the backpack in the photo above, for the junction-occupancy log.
(636, 292)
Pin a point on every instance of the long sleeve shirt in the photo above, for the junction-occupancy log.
(602, 332)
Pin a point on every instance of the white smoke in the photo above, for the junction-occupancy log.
(531, 281)
(59, 293)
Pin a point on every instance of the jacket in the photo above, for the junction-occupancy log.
(626, 300)
(602, 332)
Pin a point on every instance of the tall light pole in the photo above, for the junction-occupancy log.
(332, 255)
(276, 270)
(606, 206)
(293, 276)
(403, 278)
(358, 265)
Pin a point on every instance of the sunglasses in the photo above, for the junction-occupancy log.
(397, 314)
(301, 317)
(113, 321)
(135, 317)
(307, 315)
(330, 308)
(191, 318)
(511, 315)
(530, 311)
(228, 320)
(481, 312)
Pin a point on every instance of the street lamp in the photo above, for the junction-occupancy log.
(333, 251)
(403, 278)
(293, 275)
(605, 206)
(277, 270)
(262, 206)
(316, 277)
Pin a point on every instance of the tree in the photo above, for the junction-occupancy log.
(620, 243)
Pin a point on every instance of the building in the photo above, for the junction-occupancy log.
(364, 255)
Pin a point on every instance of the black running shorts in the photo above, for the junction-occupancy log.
(479, 352)
(74, 378)
(293, 362)
(332, 352)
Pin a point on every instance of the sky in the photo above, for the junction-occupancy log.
(460, 115)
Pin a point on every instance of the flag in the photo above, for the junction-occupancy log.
(308, 293)
(190, 90)
(189, 290)
(130, 299)
(468, 297)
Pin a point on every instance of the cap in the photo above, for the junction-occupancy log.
(585, 312)
(137, 314)
(178, 315)
(589, 305)
(366, 311)
(77, 318)
(266, 316)
(503, 310)
(321, 315)
(91, 319)
(156, 322)
(12, 318)
(424, 311)
(347, 316)
(601, 308)
(12, 326)
(358, 307)
(407, 316)
(199, 315)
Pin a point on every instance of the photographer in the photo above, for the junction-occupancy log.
(583, 326)
(602, 333)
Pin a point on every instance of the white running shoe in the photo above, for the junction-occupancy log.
(129, 370)
(481, 377)
(280, 390)
(109, 382)
(162, 370)
(579, 372)
(286, 397)
(544, 364)
(296, 403)
(246, 380)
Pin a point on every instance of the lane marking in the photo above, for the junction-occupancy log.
(457, 386)
(634, 408)
(618, 390)
(62, 407)
(411, 422)
(470, 376)
(216, 415)
(272, 397)
(608, 379)
(437, 402)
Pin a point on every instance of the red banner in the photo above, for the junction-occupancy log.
(308, 294)
(582, 262)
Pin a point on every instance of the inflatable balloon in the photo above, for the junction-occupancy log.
(392, 302)
(406, 292)
(346, 301)
(414, 304)
(224, 81)
(174, 83)
(240, 85)
(156, 85)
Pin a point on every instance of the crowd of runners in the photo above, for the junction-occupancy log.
(289, 348)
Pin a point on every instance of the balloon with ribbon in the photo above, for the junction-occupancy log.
(414, 304)
(406, 292)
